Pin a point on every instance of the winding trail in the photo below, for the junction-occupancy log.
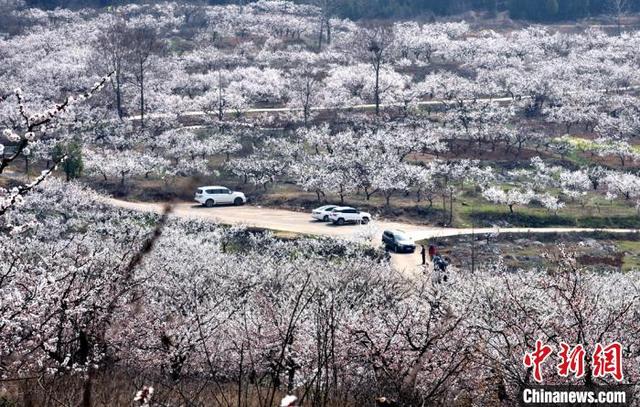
(302, 223)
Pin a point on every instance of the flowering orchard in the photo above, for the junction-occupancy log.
(103, 306)
(190, 84)
(219, 316)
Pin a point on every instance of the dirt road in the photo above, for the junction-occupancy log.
(435, 103)
(302, 223)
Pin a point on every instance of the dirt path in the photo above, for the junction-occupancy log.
(299, 222)
(364, 106)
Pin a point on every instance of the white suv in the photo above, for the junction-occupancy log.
(215, 195)
(346, 214)
(322, 213)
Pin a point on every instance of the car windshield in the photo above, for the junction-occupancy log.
(402, 236)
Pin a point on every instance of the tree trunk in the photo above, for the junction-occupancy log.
(377, 89)
(86, 390)
(619, 23)
(27, 400)
(220, 105)
(240, 375)
(118, 92)
(450, 208)
(328, 24)
(321, 33)
(367, 194)
(444, 208)
(306, 116)
(141, 94)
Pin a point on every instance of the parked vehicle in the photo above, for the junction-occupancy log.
(217, 195)
(346, 214)
(398, 241)
(322, 213)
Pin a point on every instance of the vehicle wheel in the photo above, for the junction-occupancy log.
(340, 221)
(325, 218)
(209, 203)
(237, 201)
(364, 221)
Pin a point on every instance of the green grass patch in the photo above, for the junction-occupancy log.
(631, 249)
(584, 145)
(538, 219)
(490, 217)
